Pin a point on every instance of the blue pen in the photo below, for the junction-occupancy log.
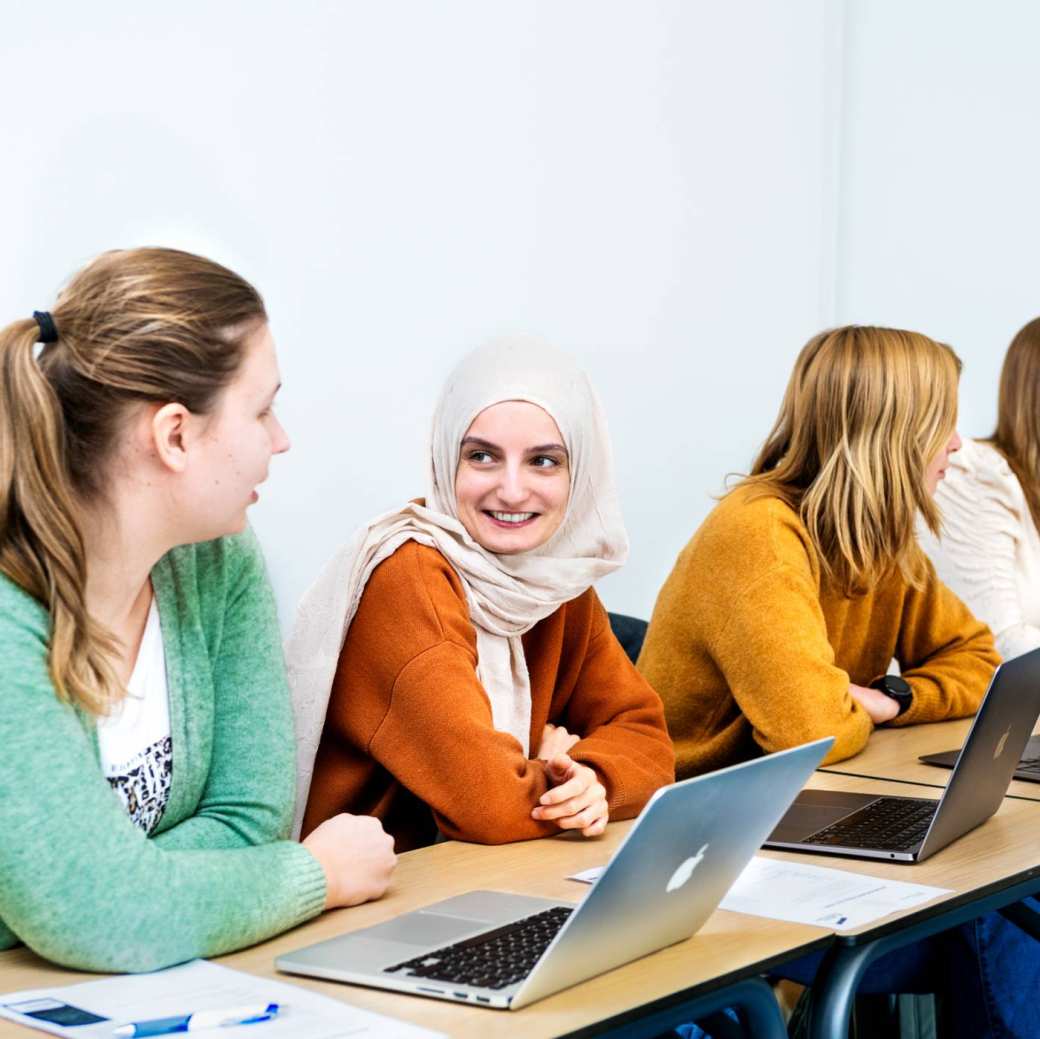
(245, 1015)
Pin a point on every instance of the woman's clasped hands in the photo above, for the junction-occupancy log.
(576, 799)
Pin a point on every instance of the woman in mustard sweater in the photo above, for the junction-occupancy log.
(454, 660)
(781, 617)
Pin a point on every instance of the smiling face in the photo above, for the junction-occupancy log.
(232, 445)
(513, 478)
(936, 471)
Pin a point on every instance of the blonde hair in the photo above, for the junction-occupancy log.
(136, 325)
(1017, 436)
(865, 412)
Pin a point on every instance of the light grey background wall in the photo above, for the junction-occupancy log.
(939, 217)
(679, 193)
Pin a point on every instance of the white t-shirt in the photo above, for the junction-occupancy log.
(134, 741)
(989, 552)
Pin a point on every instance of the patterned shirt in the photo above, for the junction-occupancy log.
(135, 742)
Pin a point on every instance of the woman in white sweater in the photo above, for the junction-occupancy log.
(989, 552)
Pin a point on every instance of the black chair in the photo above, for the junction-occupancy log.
(630, 632)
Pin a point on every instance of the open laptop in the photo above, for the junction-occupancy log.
(1028, 767)
(494, 949)
(909, 829)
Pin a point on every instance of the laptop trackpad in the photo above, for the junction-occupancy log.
(421, 928)
(813, 810)
(370, 950)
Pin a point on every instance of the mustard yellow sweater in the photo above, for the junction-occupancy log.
(751, 650)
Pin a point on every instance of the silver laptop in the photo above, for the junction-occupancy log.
(495, 949)
(909, 829)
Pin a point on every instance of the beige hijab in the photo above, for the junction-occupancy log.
(506, 594)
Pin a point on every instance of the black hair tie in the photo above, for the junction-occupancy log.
(48, 330)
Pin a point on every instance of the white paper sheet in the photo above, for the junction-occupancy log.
(805, 894)
(588, 876)
(207, 986)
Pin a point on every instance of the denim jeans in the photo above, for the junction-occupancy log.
(987, 971)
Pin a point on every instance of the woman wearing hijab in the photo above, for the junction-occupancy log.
(453, 671)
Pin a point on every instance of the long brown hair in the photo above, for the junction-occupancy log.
(137, 325)
(865, 412)
(1017, 436)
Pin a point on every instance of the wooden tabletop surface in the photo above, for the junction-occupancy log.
(893, 754)
(729, 946)
(1004, 849)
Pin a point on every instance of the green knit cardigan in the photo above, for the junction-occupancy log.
(79, 883)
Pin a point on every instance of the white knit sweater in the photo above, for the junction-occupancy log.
(989, 552)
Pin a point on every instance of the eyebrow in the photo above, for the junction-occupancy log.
(274, 393)
(540, 448)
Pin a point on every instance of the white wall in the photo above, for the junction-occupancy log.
(650, 186)
(939, 221)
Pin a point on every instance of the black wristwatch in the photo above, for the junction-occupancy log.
(898, 689)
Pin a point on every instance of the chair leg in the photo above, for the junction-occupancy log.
(721, 1026)
(1024, 917)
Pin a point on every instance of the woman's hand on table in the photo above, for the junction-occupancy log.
(881, 708)
(357, 856)
(576, 799)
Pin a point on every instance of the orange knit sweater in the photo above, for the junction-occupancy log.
(408, 734)
(751, 649)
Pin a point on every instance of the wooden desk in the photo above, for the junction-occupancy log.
(728, 948)
(892, 754)
(993, 866)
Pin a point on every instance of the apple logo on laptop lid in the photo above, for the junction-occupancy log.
(1000, 745)
(685, 870)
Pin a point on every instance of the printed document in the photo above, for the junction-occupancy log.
(92, 1009)
(804, 894)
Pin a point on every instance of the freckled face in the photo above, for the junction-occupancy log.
(236, 441)
(937, 470)
(513, 479)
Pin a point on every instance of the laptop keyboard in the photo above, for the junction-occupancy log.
(493, 959)
(887, 824)
(1030, 766)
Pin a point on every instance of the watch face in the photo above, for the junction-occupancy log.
(897, 685)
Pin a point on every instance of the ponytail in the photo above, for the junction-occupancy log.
(41, 546)
(136, 325)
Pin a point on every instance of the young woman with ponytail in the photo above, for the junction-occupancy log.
(146, 773)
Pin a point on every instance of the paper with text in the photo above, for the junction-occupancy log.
(101, 1006)
(805, 894)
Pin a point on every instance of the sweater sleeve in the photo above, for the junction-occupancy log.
(946, 655)
(779, 666)
(438, 740)
(406, 695)
(983, 518)
(621, 721)
(84, 887)
(248, 795)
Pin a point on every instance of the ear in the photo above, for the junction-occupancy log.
(169, 430)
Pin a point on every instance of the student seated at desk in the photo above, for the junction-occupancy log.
(802, 585)
(454, 660)
(782, 614)
(989, 548)
(146, 772)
